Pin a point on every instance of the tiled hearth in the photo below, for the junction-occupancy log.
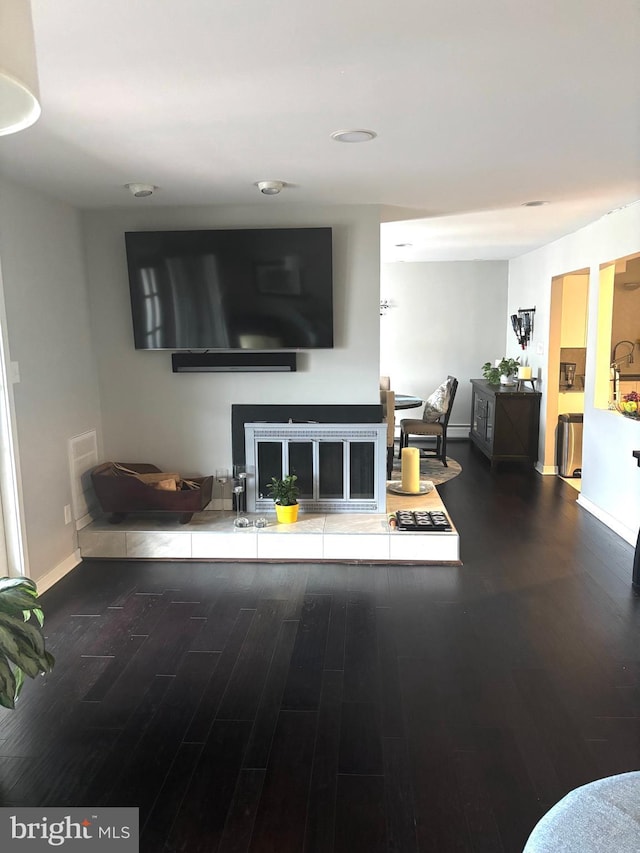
(333, 537)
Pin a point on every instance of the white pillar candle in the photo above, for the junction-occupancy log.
(524, 372)
(410, 467)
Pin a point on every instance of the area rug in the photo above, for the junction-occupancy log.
(432, 469)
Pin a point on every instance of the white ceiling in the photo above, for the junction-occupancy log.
(478, 108)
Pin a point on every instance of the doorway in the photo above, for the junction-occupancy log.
(13, 555)
(566, 374)
(617, 373)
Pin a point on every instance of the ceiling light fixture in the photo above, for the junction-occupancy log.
(141, 190)
(534, 203)
(19, 92)
(353, 135)
(270, 187)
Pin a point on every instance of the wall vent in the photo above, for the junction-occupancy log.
(83, 457)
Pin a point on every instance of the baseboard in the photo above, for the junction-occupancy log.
(57, 573)
(457, 432)
(612, 523)
(546, 470)
(86, 519)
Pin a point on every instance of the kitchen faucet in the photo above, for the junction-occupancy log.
(628, 357)
(616, 362)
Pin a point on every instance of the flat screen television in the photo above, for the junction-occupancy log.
(249, 289)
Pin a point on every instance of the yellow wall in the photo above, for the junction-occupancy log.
(575, 292)
(567, 329)
(625, 324)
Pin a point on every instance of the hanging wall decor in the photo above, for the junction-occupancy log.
(522, 323)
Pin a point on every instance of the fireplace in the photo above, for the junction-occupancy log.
(282, 413)
(340, 467)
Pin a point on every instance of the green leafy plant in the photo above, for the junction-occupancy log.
(284, 491)
(22, 650)
(508, 367)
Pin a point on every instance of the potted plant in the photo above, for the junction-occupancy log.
(502, 372)
(285, 493)
(22, 650)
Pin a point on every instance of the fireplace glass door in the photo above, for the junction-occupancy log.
(330, 470)
(361, 469)
(300, 458)
(320, 468)
(339, 467)
(269, 464)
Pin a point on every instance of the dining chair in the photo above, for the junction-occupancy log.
(434, 421)
(387, 398)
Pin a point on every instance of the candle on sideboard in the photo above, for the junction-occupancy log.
(410, 466)
(524, 372)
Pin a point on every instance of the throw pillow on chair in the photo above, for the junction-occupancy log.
(436, 405)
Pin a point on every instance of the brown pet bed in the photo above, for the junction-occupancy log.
(124, 487)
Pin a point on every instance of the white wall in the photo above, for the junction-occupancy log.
(611, 478)
(183, 421)
(49, 336)
(446, 318)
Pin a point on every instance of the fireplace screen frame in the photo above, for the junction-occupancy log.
(345, 434)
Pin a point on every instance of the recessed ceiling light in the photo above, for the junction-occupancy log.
(353, 135)
(534, 203)
(141, 190)
(270, 187)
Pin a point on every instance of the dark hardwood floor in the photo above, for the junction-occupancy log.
(248, 708)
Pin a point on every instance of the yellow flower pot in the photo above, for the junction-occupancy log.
(287, 514)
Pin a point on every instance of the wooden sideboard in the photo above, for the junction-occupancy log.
(505, 422)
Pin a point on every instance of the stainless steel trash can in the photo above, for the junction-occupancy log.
(569, 445)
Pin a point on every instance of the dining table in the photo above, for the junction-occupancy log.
(407, 401)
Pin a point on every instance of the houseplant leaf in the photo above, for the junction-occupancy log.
(21, 654)
(19, 674)
(25, 583)
(8, 645)
(284, 491)
(506, 367)
(16, 601)
(8, 687)
(21, 628)
(22, 644)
